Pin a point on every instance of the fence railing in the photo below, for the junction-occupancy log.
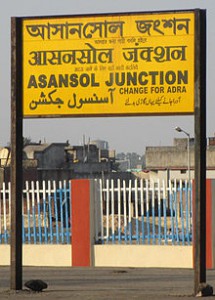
(126, 212)
(144, 212)
(45, 216)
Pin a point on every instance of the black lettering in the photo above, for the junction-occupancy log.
(42, 81)
(84, 80)
(63, 80)
(183, 77)
(120, 81)
(111, 80)
(52, 81)
(93, 80)
(153, 76)
(73, 80)
(170, 77)
(132, 78)
(161, 77)
(32, 82)
(141, 78)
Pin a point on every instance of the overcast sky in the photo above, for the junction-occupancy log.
(127, 134)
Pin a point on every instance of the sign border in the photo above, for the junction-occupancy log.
(35, 116)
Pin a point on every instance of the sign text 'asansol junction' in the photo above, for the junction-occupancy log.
(127, 64)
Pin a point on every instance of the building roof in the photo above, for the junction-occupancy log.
(32, 148)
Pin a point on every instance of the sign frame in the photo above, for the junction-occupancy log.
(200, 148)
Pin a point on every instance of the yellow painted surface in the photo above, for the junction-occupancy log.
(40, 255)
(47, 255)
(137, 256)
(4, 255)
(121, 64)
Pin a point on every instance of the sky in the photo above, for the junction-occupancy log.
(124, 134)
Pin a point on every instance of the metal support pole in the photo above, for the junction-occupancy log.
(200, 287)
(16, 154)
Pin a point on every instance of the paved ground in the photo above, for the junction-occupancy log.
(106, 283)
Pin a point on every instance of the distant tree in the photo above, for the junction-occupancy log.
(27, 141)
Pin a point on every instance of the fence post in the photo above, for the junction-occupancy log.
(82, 214)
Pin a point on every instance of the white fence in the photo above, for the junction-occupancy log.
(46, 213)
(127, 212)
(144, 212)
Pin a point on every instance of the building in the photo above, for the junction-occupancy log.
(89, 160)
(5, 158)
(45, 155)
(170, 162)
(60, 161)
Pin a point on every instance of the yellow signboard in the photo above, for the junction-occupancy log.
(126, 64)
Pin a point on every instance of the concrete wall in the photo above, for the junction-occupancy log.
(137, 256)
(175, 157)
(168, 157)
